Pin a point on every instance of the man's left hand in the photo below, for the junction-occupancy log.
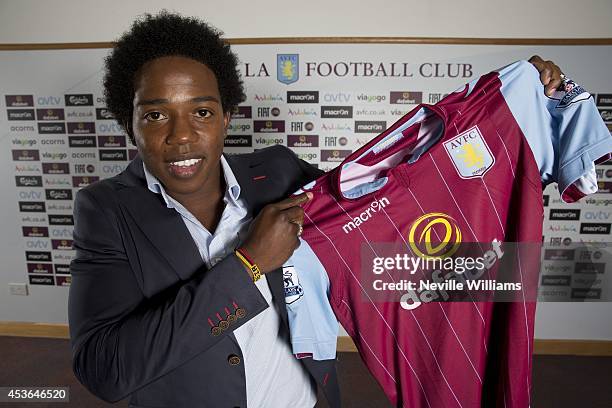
(550, 74)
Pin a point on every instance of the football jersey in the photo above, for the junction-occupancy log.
(471, 166)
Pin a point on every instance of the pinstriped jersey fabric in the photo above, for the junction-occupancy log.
(477, 160)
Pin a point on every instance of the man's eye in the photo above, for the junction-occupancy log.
(204, 113)
(154, 116)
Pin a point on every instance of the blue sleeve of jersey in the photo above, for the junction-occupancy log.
(565, 132)
(313, 325)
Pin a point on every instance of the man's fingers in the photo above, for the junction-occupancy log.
(550, 74)
(535, 58)
(293, 201)
(537, 62)
(543, 67)
(556, 80)
(552, 86)
(295, 215)
(545, 76)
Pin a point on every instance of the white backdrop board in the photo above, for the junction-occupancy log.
(321, 100)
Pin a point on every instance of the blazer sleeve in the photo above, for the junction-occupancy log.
(122, 340)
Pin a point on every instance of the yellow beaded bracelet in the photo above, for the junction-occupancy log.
(242, 255)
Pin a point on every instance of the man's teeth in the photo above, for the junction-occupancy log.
(185, 163)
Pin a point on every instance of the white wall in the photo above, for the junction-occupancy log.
(23, 21)
(30, 21)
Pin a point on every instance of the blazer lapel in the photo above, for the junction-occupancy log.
(256, 184)
(166, 230)
(162, 226)
(255, 178)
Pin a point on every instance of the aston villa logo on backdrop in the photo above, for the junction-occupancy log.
(287, 68)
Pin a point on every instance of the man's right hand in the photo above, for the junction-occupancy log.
(273, 234)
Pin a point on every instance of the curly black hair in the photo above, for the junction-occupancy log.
(167, 34)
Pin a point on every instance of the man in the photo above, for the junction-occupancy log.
(162, 308)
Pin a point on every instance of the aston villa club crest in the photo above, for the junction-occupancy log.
(470, 154)
(287, 68)
(293, 289)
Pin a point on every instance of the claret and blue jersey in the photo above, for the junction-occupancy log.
(476, 163)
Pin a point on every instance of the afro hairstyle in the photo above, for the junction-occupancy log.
(167, 34)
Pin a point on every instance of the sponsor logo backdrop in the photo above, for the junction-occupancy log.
(321, 100)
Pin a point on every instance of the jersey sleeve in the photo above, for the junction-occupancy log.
(565, 131)
(312, 323)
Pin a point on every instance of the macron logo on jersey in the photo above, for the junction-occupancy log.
(369, 212)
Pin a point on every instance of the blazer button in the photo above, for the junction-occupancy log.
(216, 331)
(223, 324)
(231, 318)
(233, 359)
(240, 313)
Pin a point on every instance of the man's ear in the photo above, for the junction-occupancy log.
(227, 117)
(127, 125)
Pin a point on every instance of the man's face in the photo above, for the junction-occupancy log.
(179, 124)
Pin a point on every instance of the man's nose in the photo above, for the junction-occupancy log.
(181, 131)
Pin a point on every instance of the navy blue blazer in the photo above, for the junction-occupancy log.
(141, 297)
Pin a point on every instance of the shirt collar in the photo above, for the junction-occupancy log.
(232, 186)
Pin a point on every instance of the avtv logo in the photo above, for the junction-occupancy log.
(31, 195)
(597, 215)
(38, 244)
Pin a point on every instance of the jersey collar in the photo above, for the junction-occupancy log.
(387, 136)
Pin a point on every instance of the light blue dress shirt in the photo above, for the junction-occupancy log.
(234, 221)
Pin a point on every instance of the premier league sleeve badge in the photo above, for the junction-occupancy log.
(293, 289)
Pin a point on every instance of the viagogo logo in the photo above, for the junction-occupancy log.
(434, 235)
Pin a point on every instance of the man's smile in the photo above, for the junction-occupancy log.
(185, 168)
